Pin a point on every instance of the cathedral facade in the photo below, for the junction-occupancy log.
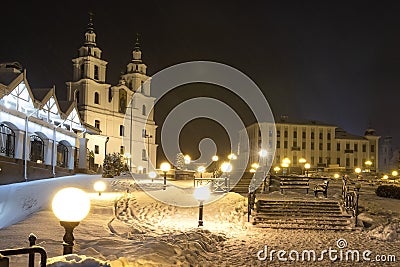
(122, 113)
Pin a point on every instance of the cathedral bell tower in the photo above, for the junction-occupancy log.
(136, 72)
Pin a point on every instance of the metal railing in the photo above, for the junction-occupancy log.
(350, 199)
(30, 250)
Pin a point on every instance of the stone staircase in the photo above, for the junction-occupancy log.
(301, 214)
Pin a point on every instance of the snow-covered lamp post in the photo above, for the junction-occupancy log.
(201, 194)
(201, 169)
(307, 166)
(99, 187)
(152, 175)
(70, 205)
(165, 167)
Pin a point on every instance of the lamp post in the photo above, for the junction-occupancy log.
(99, 187)
(277, 169)
(226, 168)
(285, 164)
(357, 171)
(302, 161)
(148, 136)
(187, 159)
(395, 173)
(307, 166)
(165, 167)
(215, 159)
(152, 175)
(201, 194)
(201, 169)
(368, 165)
(70, 205)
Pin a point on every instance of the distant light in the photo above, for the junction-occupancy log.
(201, 169)
(286, 161)
(368, 163)
(99, 187)
(165, 166)
(232, 156)
(39, 161)
(385, 177)
(152, 175)
(263, 153)
(395, 173)
(202, 193)
(336, 175)
(140, 168)
(215, 158)
(226, 167)
(252, 170)
(255, 165)
(71, 204)
(302, 160)
(357, 170)
(277, 169)
(187, 159)
(307, 165)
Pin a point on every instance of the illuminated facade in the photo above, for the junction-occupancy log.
(35, 126)
(322, 145)
(129, 130)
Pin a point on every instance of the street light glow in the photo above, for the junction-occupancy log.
(152, 175)
(395, 173)
(215, 158)
(357, 170)
(255, 165)
(252, 170)
(201, 193)
(302, 160)
(307, 166)
(232, 156)
(336, 175)
(187, 159)
(165, 166)
(201, 169)
(286, 161)
(226, 167)
(263, 153)
(71, 204)
(99, 187)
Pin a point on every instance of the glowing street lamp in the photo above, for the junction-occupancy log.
(395, 173)
(252, 170)
(152, 175)
(99, 187)
(187, 159)
(215, 159)
(358, 171)
(385, 177)
(232, 156)
(307, 166)
(368, 163)
(70, 205)
(302, 160)
(263, 153)
(201, 169)
(336, 175)
(255, 165)
(277, 169)
(226, 167)
(201, 194)
(165, 167)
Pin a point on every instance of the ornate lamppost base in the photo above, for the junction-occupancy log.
(68, 236)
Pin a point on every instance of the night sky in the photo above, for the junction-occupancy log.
(333, 61)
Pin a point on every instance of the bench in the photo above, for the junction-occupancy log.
(323, 188)
(220, 184)
(294, 183)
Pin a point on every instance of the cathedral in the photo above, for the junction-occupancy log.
(121, 115)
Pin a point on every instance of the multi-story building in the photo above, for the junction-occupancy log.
(322, 145)
(123, 113)
(39, 135)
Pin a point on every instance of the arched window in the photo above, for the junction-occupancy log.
(82, 71)
(7, 141)
(122, 101)
(144, 110)
(37, 149)
(62, 156)
(96, 98)
(96, 72)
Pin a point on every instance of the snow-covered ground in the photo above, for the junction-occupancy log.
(126, 227)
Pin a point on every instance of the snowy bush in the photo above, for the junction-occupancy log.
(389, 191)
